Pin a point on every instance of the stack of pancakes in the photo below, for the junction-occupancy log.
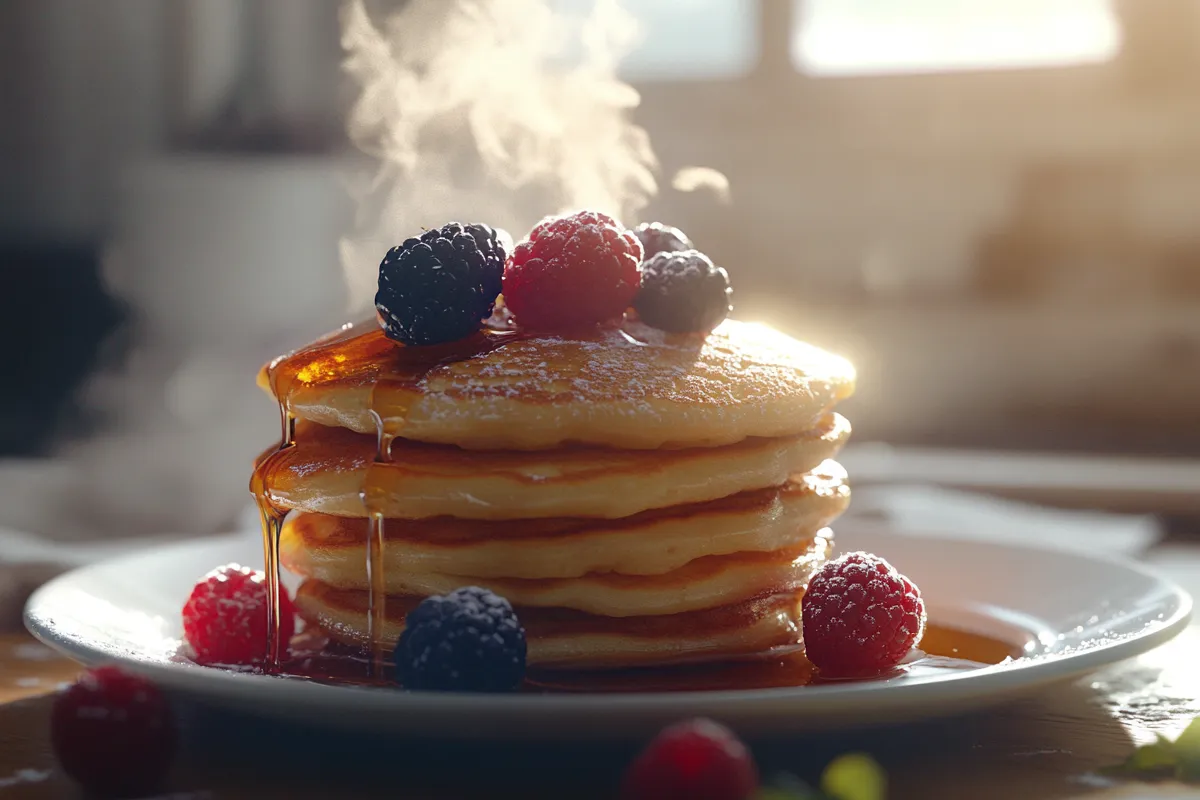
(640, 498)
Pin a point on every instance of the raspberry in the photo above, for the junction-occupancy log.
(113, 733)
(860, 616)
(694, 760)
(439, 287)
(683, 293)
(572, 272)
(467, 641)
(225, 618)
(658, 238)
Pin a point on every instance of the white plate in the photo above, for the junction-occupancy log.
(1075, 613)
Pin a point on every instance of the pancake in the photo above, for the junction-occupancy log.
(565, 639)
(630, 387)
(329, 470)
(333, 549)
(703, 583)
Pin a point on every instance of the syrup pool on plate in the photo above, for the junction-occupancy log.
(943, 649)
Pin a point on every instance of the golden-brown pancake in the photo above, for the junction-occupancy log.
(333, 549)
(630, 387)
(706, 582)
(329, 469)
(566, 639)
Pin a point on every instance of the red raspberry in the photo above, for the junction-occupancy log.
(113, 733)
(572, 272)
(860, 616)
(694, 760)
(225, 619)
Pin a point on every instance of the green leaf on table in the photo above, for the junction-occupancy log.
(1157, 759)
(1164, 758)
(1187, 753)
(1187, 744)
(854, 776)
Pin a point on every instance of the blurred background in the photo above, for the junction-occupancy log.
(990, 206)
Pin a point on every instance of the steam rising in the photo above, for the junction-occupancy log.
(474, 113)
(694, 179)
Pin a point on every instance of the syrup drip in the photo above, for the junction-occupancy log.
(377, 600)
(376, 580)
(272, 518)
(272, 523)
(398, 367)
(281, 376)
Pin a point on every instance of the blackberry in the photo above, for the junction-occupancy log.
(683, 293)
(467, 641)
(658, 238)
(438, 287)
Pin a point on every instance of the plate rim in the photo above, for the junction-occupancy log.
(1017, 676)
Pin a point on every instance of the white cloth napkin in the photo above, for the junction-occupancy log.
(936, 511)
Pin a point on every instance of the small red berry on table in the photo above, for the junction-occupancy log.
(694, 760)
(113, 733)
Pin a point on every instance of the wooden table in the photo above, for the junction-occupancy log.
(1047, 746)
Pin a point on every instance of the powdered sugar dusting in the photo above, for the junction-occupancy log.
(736, 364)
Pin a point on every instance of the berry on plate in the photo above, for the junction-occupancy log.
(658, 238)
(683, 292)
(113, 733)
(467, 641)
(860, 616)
(694, 760)
(225, 618)
(439, 287)
(572, 272)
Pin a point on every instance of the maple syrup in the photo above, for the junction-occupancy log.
(943, 649)
(345, 352)
(282, 373)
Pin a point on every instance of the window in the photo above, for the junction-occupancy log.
(863, 37)
(685, 39)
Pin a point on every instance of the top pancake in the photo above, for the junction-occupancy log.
(628, 387)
